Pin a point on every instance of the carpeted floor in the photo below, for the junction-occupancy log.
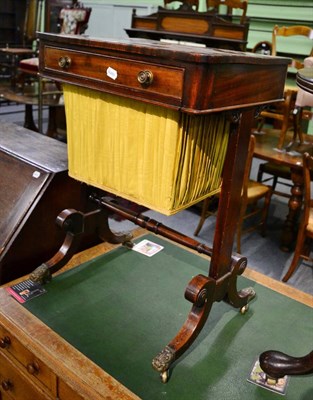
(263, 253)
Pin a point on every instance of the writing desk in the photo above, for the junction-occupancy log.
(39, 362)
(265, 149)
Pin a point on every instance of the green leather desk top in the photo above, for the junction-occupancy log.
(122, 308)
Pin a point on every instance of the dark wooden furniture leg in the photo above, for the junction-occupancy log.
(276, 364)
(221, 282)
(76, 225)
(294, 208)
(29, 122)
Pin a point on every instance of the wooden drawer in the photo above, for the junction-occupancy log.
(65, 392)
(16, 384)
(31, 365)
(167, 82)
(4, 396)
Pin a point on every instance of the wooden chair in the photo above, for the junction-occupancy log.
(206, 211)
(252, 192)
(276, 173)
(283, 112)
(305, 232)
(73, 19)
(231, 5)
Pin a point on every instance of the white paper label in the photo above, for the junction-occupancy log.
(112, 73)
(36, 174)
(147, 248)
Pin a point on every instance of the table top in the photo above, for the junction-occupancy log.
(266, 149)
(305, 79)
(16, 50)
(29, 95)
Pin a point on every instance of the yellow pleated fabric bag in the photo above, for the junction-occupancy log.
(161, 158)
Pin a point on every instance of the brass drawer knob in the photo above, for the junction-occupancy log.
(5, 342)
(7, 385)
(64, 62)
(145, 78)
(32, 368)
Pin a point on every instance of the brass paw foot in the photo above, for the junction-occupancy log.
(162, 362)
(41, 274)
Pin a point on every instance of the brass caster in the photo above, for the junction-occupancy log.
(244, 309)
(164, 376)
(271, 381)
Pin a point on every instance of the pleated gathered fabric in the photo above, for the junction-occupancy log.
(155, 156)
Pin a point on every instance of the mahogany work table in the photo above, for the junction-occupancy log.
(196, 82)
(265, 149)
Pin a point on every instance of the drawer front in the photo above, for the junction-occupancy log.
(4, 396)
(16, 384)
(31, 365)
(65, 392)
(117, 73)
